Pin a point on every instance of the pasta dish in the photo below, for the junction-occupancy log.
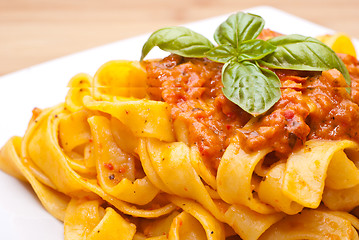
(233, 141)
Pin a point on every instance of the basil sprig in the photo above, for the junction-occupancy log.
(245, 82)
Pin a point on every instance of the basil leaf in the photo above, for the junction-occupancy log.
(303, 53)
(178, 40)
(221, 53)
(237, 28)
(253, 89)
(254, 49)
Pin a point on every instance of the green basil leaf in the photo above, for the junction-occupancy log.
(254, 49)
(303, 53)
(178, 40)
(253, 89)
(221, 53)
(237, 28)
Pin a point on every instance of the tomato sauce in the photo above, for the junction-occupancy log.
(313, 105)
(192, 87)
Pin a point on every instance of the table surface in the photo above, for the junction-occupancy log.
(35, 31)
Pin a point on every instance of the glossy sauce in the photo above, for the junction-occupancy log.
(313, 105)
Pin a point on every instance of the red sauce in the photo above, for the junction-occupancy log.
(313, 105)
(192, 87)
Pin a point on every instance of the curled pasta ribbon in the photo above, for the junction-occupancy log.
(341, 200)
(169, 167)
(116, 169)
(74, 139)
(145, 118)
(126, 208)
(234, 178)
(242, 220)
(42, 134)
(306, 170)
(119, 78)
(270, 191)
(10, 161)
(75, 123)
(156, 228)
(311, 224)
(213, 229)
(201, 169)
(185, 226)
(87, 220)
(342, 172)
(123, 136)
(341, 187)
(79, 86)
(9, 156)
(345, 215)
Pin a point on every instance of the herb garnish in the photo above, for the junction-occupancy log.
(245, 82)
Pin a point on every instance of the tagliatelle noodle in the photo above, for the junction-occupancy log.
(270, 191)
(182, 227)
(106, 153)
(312, 224)
(54, 202)
(113, 164)
(238, 166)
(306, 170)
(88, 220)
(145, 118)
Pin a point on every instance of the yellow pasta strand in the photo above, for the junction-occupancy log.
(145, 118)
(341, 200)
(243, 220)
(184, 226)
(270, 191)
(172, 164)
(311, 224)
(8, 153)
(74, 124)
(42, 134)
(79, 86)
(119, 78)
(53, 201)
(123, 136)
(116, 169)
(201, 169)
(342, 172)
(157, 227)
(234, 178)
(306, 170)
(213, 228)
(81, 218)
(112, 227)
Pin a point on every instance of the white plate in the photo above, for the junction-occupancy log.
(44, 85)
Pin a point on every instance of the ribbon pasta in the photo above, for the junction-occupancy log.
(112, 164)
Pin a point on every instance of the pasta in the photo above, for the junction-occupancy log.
(154, 151)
